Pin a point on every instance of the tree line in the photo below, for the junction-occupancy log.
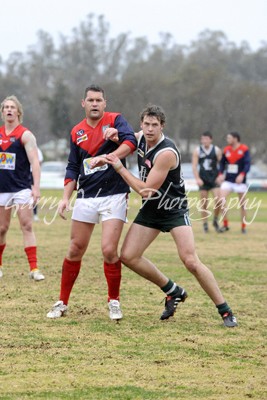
(212, 84)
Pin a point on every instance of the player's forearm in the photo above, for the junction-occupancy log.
(195, 172)
(136, 184)
(122, 151)
(36, 173)
(68, 189)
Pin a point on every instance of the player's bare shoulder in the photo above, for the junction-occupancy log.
(28, 137)
(28, 140)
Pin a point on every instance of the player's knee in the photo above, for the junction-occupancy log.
(126, 258)
(26, 226)
(109, 253)
(191, 263)
(3, 229)
(75, 251)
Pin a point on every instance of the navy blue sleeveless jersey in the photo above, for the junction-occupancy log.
(15, 174)
(170, 198)
(208, 164)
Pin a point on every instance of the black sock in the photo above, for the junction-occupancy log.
(170, 289)
(223, 308)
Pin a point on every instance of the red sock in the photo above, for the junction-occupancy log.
(243, 225)
(225, 222)
(2, 248)
(70, 272)
(113, 277)
(32, 256)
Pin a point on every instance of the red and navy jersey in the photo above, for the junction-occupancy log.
(87, 142)
(15, 174)
(235, 162)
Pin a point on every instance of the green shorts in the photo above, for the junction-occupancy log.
(164, 223)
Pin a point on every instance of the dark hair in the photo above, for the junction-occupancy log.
(235, 135)
(154, 111)
(94, 88)
(207, 133)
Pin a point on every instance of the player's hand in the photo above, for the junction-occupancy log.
(35, 195)
(239, 178)
(220, 178)
(114, 161)
(98, 161)
(200, 182)
(63, 205)
(111, 134)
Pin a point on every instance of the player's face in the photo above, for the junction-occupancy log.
(10, 111)
(230, 140)
(205, 141)
(94, 105)
(152, 129)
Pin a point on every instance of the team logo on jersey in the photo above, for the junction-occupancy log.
(240, 152)
(227, 154)
(105, 127)
(140, 152)
(80, 132)
(7, 161)
(82, 139)
(12, 139)
(87, 167)
(148, 163)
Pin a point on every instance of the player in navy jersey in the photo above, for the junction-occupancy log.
(164, 209)
(234, 166)
(101, 195)
(205, 163)
(18, 155)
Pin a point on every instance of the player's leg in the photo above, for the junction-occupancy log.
(113, 211)
(79, 239)
(24, 212)
(111, 233)
(242, 203)
(204, 207)
(5, 218)
(216, 208)
(184, 240)
(225, 190)
(132, 256)
(137, 240)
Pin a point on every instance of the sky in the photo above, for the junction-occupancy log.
(240, 20)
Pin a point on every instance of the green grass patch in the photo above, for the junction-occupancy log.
(87, 356)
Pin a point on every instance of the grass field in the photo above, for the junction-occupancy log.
(87, 356)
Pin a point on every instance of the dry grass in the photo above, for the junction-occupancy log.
(86, 356)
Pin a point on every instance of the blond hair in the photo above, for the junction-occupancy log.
(18, 104)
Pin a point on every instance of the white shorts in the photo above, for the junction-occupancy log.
(96, 209)
(234, 187)
(22, 197)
